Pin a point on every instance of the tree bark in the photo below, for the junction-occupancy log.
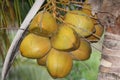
(109, 16)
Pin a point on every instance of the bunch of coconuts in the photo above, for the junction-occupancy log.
(55, 46)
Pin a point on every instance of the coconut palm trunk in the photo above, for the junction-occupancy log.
(110, 60)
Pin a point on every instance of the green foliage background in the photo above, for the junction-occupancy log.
(12, 13)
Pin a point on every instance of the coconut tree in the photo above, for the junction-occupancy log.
(17, 11)
(108, 16)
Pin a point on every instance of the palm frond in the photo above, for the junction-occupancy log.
(12, 14)
(11, 11)
(14, 11)
(1, 53)
(15, 44)
(4, 42)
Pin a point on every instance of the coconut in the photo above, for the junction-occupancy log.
(34, 46)
(80, 22)
(65, 39)
(83, 52)
(43, 24)
(59, 63)
(95, 37)
(42, 61)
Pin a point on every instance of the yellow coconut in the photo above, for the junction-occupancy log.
(95, 37)
(43, 24)
(83, 52)
(34, 46)
(80, 22)
(89, 13)
(87, 9)
(59, 63)
(42, 61)
(65, 38)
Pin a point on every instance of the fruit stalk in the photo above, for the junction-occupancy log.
(54, 7)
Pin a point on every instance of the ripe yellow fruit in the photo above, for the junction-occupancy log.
(43, 24)
(65, 38)
(87, 9)
(83, 52)
(95, 37)
(34, 46)
(42, 61)
(59, 63)
(80, 21)
(88, 12)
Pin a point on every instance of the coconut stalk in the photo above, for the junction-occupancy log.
(12, 52)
